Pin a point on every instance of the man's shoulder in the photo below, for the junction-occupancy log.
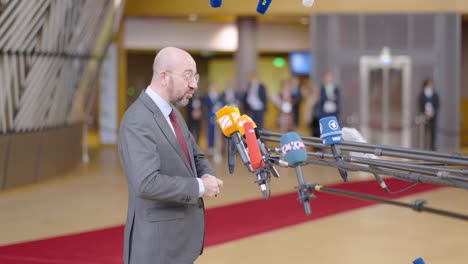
(136, 110)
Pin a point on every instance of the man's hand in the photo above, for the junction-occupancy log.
(212, 185)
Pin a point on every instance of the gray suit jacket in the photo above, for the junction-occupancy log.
(165, 218)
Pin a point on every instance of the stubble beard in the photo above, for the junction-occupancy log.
(182, 101)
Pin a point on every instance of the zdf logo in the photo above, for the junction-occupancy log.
(294, 145)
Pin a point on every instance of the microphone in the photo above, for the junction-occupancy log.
(241, 121)
(226, 118)
(252, 146)
(263, 6)
(330, 133)
(231, 155)
(264, 153)
(294, 152)
(231, 150)
(215, 3)
(256, 158)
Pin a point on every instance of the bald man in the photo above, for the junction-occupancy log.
(167, 174)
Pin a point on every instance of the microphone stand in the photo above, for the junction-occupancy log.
(417, 205)
(377, 148)
(380, 150)
(436, 172)
(414, 177)
(419, 166)
(413, 171)
(303, 191)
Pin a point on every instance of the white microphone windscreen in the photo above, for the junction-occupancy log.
(352, 134)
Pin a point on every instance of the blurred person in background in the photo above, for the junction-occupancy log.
(284, 103)
(429, 107)
(255, 100)
(194, 116)
(311, 100)
(167, 173)
(328, 102)
(230, 96)
(212, 104)
(296, 98)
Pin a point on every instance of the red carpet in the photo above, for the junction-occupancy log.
(223, 224)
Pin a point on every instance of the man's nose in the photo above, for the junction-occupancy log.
(193, 84)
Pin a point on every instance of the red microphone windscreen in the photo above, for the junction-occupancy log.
(252, 145)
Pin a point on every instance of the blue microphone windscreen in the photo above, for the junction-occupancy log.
(263, 5)
(216, 3)
(293, 149)
(330, 131)
(419, 261)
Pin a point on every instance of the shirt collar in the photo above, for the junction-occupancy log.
(164, 106)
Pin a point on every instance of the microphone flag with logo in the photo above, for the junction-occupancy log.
(242, 120)
(330, 131)
(227, 120)
(295, 154)
(331, 135)
(293, 149)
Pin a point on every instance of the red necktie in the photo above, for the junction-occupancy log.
(180, 136)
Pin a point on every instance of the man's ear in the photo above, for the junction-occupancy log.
(162, 78)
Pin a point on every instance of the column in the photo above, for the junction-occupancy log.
(246, 55)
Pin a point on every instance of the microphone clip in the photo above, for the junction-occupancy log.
(263, 180)
(305, 192)
(274, 159)
(270, 161)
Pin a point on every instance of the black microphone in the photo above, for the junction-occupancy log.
(295, 154)
(330, 133)
(215, 3)
(231, 155)
(263, 6)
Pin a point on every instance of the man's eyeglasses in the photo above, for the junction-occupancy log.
(188, 76)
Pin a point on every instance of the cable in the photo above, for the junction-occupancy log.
(417, 205)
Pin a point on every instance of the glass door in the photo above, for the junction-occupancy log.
(385, 108)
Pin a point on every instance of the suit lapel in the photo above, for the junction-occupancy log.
(166, 129)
